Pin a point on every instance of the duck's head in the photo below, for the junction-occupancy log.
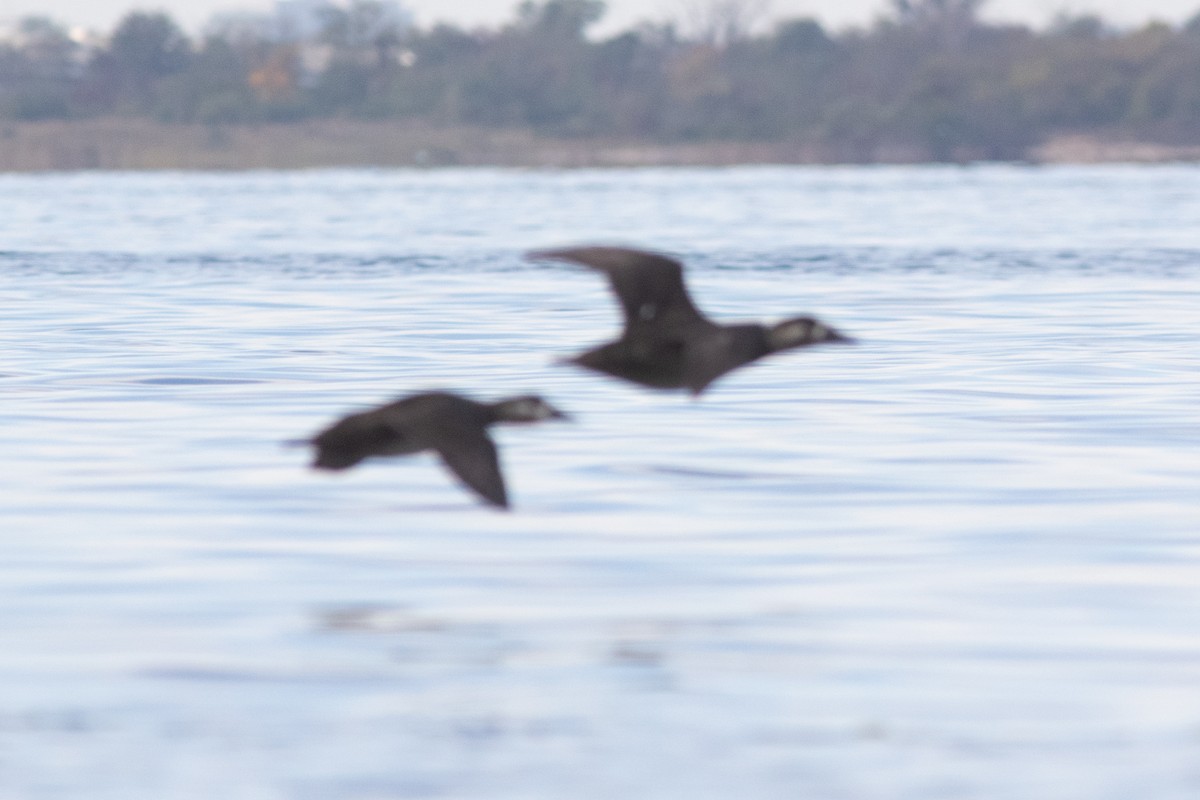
(528, 408)
(803, 331)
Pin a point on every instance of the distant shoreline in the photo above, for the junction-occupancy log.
(137, 144)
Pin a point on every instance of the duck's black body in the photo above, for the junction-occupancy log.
(452, 426)
(667, 343)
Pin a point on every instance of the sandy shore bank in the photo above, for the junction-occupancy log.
(131, 144)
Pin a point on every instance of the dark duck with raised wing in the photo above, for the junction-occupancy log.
(667, 343)
(452, 426)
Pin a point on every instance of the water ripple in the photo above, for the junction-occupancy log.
(958, 560)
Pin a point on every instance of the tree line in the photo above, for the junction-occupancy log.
(930, 78)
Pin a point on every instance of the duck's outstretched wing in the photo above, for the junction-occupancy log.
(648, 285)
(471, 455)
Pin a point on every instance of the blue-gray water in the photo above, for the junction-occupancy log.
(960, 560)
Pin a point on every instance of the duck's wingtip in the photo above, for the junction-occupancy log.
(497, 503)
(566, 361)
(543, 254)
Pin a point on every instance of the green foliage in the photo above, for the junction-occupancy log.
(144, 50)
(36, 77)
(342, 88)
(33, 105)
(148, 45)
(930, 81)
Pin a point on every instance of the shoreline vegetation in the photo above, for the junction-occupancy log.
(354, 83)
(139, 144)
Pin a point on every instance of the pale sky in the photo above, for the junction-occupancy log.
(835, 14)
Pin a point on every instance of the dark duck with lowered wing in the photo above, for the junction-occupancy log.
(454, 427)
(667, 343)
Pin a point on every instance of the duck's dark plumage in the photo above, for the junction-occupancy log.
(453, 426)
(667, 343)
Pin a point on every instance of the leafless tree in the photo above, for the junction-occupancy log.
(719, 22)
(952, 20)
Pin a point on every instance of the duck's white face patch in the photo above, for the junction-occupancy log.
(536, 409)
(530, 409)
(796, 332)
(648, 311)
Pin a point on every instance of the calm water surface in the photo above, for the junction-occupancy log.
(961, 560)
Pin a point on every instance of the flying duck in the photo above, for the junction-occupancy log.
(453, 426)
(667, 343)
